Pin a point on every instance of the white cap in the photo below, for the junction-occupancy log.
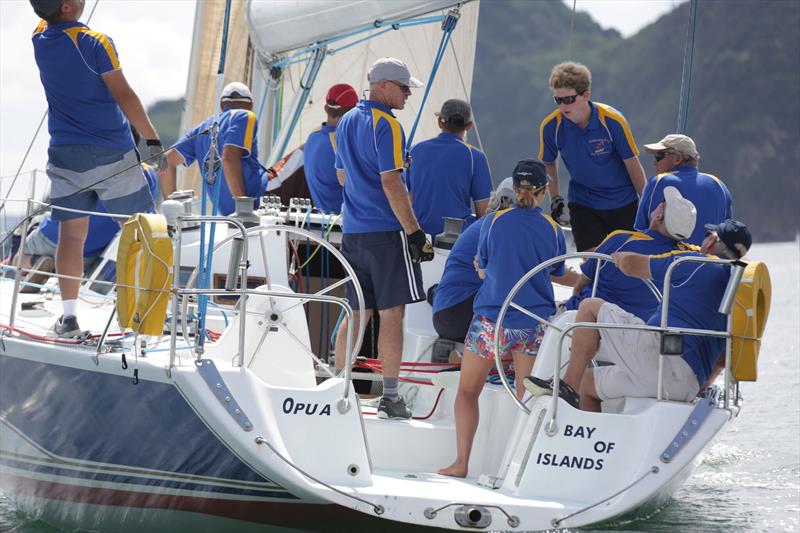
(504, 196)
(680, 214)
(682, 144)
(391, 69)
(236, 91)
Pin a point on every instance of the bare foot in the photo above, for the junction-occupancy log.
(454, 470)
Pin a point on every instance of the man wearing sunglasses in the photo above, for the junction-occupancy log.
(598, 149)
(381, 238)
(675, 159)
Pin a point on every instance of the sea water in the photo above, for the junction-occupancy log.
(749, 479)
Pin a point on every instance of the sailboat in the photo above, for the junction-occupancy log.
(227, 418)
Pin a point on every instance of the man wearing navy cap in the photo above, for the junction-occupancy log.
(447, 175)
(319, 152)
(697, 290)
(381, 238)
(675, 158)
(91, 155)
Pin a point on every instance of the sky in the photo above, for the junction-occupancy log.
(153, 39)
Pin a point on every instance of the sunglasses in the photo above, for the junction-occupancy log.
(404, 88)
(566, 100)
(658, 156)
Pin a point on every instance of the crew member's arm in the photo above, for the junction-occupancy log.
(552, 171)
(169, 179)
(396, 193)
(129, 103)
(480, 207)
(580, 284)
(340, 175)
(232, 168)
(569, 278)
(633, 264)
(636, 173)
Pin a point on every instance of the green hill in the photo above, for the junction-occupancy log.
(744, 110)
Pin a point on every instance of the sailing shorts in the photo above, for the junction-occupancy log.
(108, 174)
(36, 243)
(590, 226)
(384, 269)
(634, 354)
(480, 338)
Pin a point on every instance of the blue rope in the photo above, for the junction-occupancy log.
(448, 25)
(686, 77)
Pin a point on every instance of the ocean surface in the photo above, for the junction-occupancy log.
(749, 479)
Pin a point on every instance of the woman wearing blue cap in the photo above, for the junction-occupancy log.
(512, 242)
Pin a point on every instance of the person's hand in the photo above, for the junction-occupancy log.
(419, 247)
(557, 206)
(157, 156)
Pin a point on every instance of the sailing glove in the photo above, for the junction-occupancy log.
(557, 206)
(419, 247)
(156, 154)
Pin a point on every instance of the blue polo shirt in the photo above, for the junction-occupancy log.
(445, 177)
(594, 156)
(102, 230)
(369, 142)
(81, 110)
(696, 293)
(237, 127)
(459, 280)
(709, 195)
(319, 156)
(512, 242)
(629, 293)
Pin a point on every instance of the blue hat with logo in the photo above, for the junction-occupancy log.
(734, 235)
(530, 172)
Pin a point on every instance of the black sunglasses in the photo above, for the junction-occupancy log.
(566, 100)
(404, 88)
(658, 156)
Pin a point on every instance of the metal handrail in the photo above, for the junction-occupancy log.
(522, 281)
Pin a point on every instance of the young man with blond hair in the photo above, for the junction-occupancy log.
(598, 149)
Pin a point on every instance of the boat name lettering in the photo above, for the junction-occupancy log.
(292, 407)
(569, 461)
(580, 431)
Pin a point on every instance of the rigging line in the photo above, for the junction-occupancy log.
(467, 97)
(38, 129)
(686, 75)
(571, 30)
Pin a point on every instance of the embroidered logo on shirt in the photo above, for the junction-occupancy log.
(600, 146)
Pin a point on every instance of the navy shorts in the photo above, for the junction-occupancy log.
(384, 269)
(590, 226)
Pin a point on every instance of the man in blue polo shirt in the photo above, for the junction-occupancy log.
(237, 147)
(597, 147)
(91, 154)
(381, 238)
(672, 221)
(319, 152)
(697, 290)
(675, 158)
(446, 174)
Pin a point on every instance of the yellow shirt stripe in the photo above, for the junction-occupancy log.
(75, 31)
(397, 136)
(604, 111)
(333, 140)
(555, 115)
(40, 28)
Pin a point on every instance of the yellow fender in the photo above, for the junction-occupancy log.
(144, 274)
(750, 314)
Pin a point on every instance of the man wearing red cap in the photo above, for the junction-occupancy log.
(320, 151)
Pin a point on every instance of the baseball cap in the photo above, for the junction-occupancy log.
(236, 91)
(733, 234)
(680, 215)
(391, 69)
(503, 196)
(46, 8)
(341, 95)
(455, 107)
(530, 172)
(680, 143)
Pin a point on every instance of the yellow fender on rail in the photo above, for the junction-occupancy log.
(750, 314)
(144, 273)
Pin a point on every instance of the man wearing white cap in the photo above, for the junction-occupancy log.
(237, 144)
(675, 160)
(672, 221)
(381, 239)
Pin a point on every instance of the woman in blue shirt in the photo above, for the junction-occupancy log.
(511, 243)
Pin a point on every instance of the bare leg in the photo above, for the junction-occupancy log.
(523, 364)
(584, 342)
(390, 340)
(588, 392)
(340, 348)
(69, 255)
(474, 370)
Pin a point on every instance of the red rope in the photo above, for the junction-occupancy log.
(38, 337)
